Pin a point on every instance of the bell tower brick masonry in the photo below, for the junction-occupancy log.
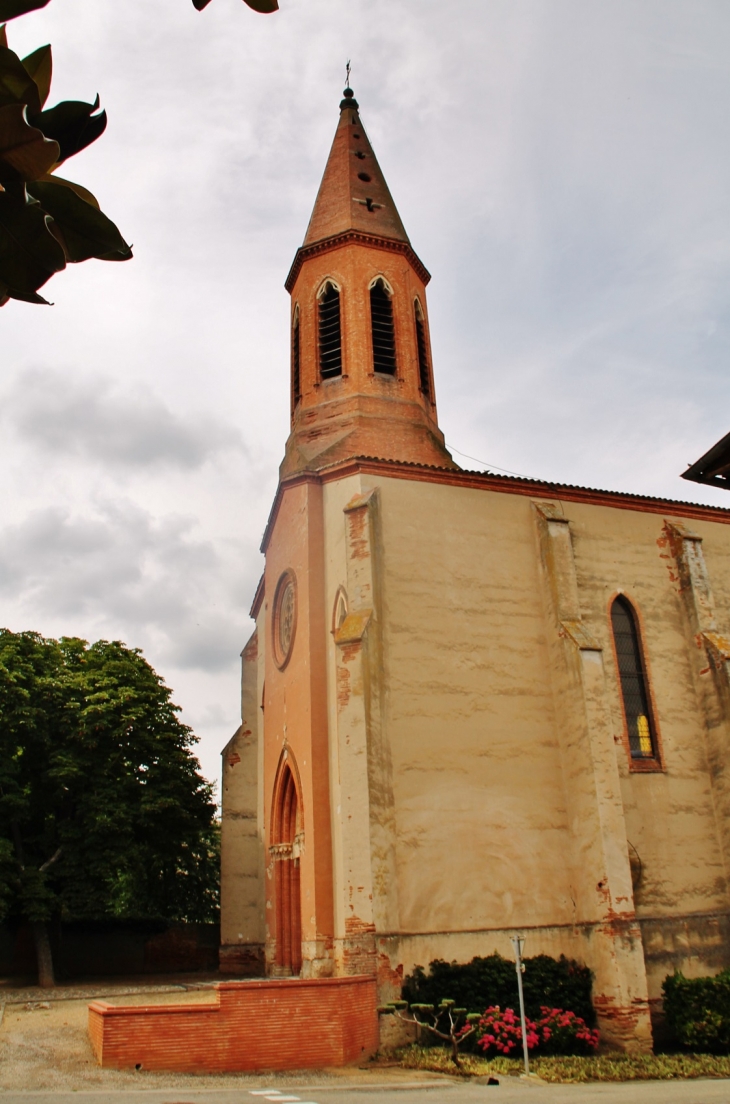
(356, 238)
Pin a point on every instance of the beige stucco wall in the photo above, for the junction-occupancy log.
(479, 781)
(483, 844)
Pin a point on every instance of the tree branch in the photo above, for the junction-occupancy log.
(50, 862)
(18, 843)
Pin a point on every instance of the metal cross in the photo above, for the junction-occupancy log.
(347, 70)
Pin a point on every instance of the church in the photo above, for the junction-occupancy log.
(473, 705)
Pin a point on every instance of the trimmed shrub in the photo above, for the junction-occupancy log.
(491, 981)
(697, 1011)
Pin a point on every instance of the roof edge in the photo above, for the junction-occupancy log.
(504, 484)
(258, 595)
(712, 468)
(359, 237)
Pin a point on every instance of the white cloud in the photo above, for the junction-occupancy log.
(153, 578)
(562, 169)
(89, 418)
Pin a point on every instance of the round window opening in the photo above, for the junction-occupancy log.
(285, 618)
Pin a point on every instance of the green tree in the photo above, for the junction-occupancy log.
(103, 811)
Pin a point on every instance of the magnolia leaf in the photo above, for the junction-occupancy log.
(29, 254)
(72, 123)
(83, 231)
(16, 85)
(25, 153)
(263, 6)
(39, 65)
(78, 188)
(11, 9)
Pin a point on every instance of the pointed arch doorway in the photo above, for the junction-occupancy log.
(286, 836)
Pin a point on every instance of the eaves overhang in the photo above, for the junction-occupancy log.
(713, 468)
(487, 481)
(357, 237)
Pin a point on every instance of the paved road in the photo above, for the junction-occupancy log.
(509, 1091)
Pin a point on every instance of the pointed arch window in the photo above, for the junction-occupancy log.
(330, 332)
(424, 370)
(633, 680)
(383, 328)
(296, 376)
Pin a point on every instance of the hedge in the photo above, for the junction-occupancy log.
(697, 1011)
(483, 982)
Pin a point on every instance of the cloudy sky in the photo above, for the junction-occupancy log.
(562, 168)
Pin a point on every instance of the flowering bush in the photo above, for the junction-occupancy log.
(501, 1033)
(556, 1032)
(565, 1033)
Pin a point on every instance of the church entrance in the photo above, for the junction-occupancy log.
(288, 960)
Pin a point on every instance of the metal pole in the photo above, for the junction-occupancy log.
(518, 943)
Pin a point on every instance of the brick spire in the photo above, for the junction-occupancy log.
(361, 374)
(353, 194)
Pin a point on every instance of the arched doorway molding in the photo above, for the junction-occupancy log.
(287, 837)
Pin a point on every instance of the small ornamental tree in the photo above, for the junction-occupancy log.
(446, 1022)
(103, 811)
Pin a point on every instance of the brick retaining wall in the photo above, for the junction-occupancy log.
(278, 1024)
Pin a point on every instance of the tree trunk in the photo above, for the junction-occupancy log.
(46, 978)
(455, 1052)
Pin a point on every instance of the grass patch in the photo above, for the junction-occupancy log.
(616, 1067)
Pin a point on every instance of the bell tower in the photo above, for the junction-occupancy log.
(361, 371)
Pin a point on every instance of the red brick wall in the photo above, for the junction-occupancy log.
(278, 1024)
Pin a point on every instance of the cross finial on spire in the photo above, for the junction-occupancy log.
(347, 71)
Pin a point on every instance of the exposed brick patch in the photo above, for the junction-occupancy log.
(277, 1025)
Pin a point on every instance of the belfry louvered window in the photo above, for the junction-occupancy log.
(296, 378)
(633, 681)
(330, 333)
(424, 374)
(381, 320)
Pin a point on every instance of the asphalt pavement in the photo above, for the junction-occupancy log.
(510, 1090)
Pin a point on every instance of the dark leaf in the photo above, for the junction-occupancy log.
(83, 230)
(263, 6)
(16, 85)
(85, 194)
(72, 123)
(29, 254)
(39, 66)
(10, 9)
(25, 153)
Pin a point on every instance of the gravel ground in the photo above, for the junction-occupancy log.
(44, 1045)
